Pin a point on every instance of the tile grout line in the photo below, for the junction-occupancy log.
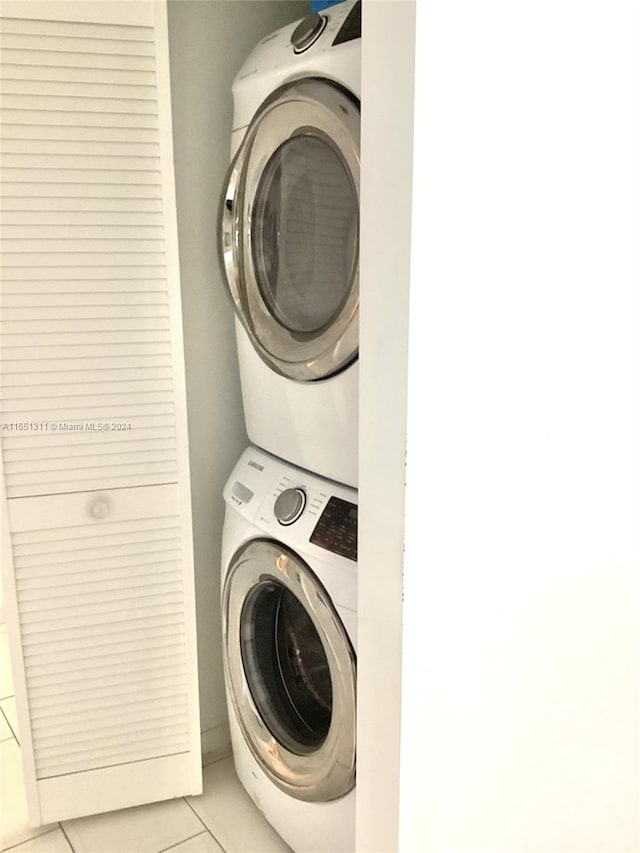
(205, 825)
(64, 832)
(184, 841)
(27, 840)
(15, 736)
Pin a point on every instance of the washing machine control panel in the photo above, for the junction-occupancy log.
(337, 528)
(314, 516)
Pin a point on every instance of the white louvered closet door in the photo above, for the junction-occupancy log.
(97, 549)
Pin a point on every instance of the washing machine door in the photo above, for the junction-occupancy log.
(290, 672)
(289, 230)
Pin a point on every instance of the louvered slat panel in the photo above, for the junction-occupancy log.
(125, 374)
(62, 258)
(86, 176)
(36, 324)
(130, 585)
(45, 710)
(143, 426)
(115, 580)
(23, 454)
(86, 442)
(71, 694)
(29, 288)
(141, 457)
(152, 750)
(138, 660)
(94, 154)
(75, 416)
(136, 733)
(74, 118)
(141, 234)
(95, 335)
(82, 654)
(94, 460)
(45, 51)
(57, 390)
(83, 247)
(46, 403)
(86, 552)
(104, 575)
(92, 645)
(79, 88)
(65, 730)
(85, 280)
(40, 576)
(77, 198)
(75, 605)
(87, 484)
(113, 76)
(154, 673)
(111, 328)
(59, 231)
(42, 312)
(33, 541)
(48, 481)
(73, 42)
(76, 301)
(25, 27)
(11, 218)
(135, 736)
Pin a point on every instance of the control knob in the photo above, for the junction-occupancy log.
(289, 505)
(307, 31)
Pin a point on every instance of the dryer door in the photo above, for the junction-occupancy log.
(290, 671)
(289, 230)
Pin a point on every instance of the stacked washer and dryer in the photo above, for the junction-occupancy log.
(288, 237)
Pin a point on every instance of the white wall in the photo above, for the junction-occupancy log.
(208, 41)
(521, 592)
(387, 102)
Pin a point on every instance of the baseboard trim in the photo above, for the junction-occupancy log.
(216, 744)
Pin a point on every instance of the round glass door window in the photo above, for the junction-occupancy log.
(286, 668)
(305, 234)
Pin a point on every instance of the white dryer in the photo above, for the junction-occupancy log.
(289, 240)
(289, 591)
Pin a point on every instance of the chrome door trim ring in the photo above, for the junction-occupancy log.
(328, 772)
(304, 107)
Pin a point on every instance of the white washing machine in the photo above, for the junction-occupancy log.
(289, 591)
(289, 240)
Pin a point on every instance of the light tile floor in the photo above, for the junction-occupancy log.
(222, 820)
